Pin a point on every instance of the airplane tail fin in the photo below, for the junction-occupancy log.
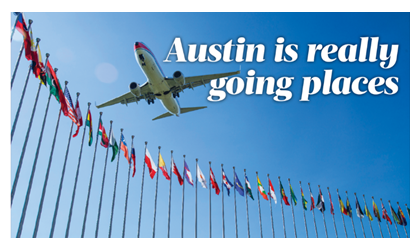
(183, 110)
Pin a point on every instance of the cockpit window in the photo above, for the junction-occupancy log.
(141, 57)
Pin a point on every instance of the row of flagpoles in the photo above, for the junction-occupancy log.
(47, 76)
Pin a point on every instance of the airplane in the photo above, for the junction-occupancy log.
(160, 87)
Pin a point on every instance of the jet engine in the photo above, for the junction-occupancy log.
(135, 89)
(179, 78)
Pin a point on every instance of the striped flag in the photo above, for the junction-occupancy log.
(384, 214)
(176, 172)
(150, 164)
(133, 159)
(227, 183)
(342, 206)
(282, 192)
(70, 107)
(304, 201)
(188, 174)
(123, 147)
(248, 187)
(89, 123)
(79, 118)
(320, 204)
(104, 138)
(163, 167)
(261, 189)
(272, 192)
(332, 209)
(312, 203)
(402, 217)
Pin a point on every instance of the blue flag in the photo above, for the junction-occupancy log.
(238, 185)
(227, 183)
(188, 175)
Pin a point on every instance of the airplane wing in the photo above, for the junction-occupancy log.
(192, 82)
(129, 97)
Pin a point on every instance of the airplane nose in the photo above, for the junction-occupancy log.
(136, 45)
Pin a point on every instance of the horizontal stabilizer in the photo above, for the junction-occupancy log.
(183, 110)
(167, 114)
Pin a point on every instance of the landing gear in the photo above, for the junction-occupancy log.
(150, 101)
(175, 95)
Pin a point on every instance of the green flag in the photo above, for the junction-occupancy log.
(304, 201)
(248, 188)
(292, 194)
(113, 145)
(51, 82)
(408, 211)
(89, 123)
(396, 218)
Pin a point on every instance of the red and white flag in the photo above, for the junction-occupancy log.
(312, 204)
(200, 176)
(176, 172)
(272, 192)
(213, 182)
(79, 118)
(150, 164)
(133, 159)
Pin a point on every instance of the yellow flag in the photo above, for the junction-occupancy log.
(161, 161)
(368, 213)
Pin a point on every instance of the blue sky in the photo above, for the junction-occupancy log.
(351, 143)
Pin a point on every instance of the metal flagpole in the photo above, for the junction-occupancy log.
(156, 194)
(196, 193)
(388, 229)
(14, 26)
(115, 190)
(234, 199)
(397, 230)
(283, 217)
(259, 208)
(222, 192)
(16, 118)
(304, 216)
(323, 213)
(182, 208)
(33, 171)
(53, 223)
(210, 220)
(361, 222)
(333, 215)
(370, 224)
(126, 195)
(246, 201)
(313, 211)
(351, 217)
(403, 224)
(91, 181)
(102, 185)
(293, 214)
(142, 191)
(18, 60)
(378, 222)
(341, 213)
(169, 198)
(271, 213)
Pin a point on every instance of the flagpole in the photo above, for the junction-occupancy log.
(234, 198)
(33, 171)
(142, 191)
(246, 201)
(115, 189)
(293, 214)
(313, 211)
(397, 230)
(341, 213)
(126, 195)
(222, 192)
(333, 215)
(361, 222)
(388, 228)
(378, 222)
(30, 68)
(19, 56)
(403, 224)
(271, 213)
(281, 205)
(259, 207)
(53, 223)
(304, 215)
(351, 217)
(370, 224)
(182, 208)
(196, 193)
(210, 220)
(169, 198)
(156, 193)
(14, 26)
(91, 181)
(323, 212)
(102, 186)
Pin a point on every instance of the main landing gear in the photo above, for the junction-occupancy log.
(150, 101)
(175, 95)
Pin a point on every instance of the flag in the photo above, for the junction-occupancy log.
(114, 146)
(320, 204)
(349, 208)
(101, 131)
(332, 209)
(176, 172)
(402, 217)
(123, 147)
(272, 192)
(367, 212)
(39, 69)
(282, 193)
(150, 164)
(133, 159)
(304, 201)
(359, 211)
(312, 201)
(238, 185)
(227, 183)
(261, 189)
(376, 211)
(292, 194)
(29, 47)
(395, 217)
(213, 181)
(188, 175)
(163, 167)
(70, 106)
(408, 211)
(200, 176)
(342, 206)
(384, 214)
(79, 118)
(89, 123)
(248, 187)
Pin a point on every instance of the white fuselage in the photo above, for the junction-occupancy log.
(156, 78)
